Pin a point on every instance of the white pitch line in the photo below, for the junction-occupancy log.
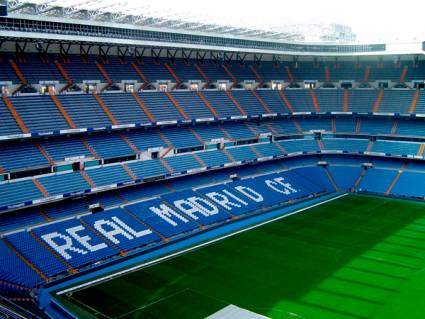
(180, 252)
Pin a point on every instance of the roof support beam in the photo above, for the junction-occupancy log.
(258, 58)
(200, 56)
(122, 53)
(64, 48)
(156, 53)
(171, 54)
(85, 49)
(139, 53)
(20, 49)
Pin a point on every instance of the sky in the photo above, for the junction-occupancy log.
(371, 20)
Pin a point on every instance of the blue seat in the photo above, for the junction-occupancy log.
(221, 103)
(300, 99)
(182, 163)
(396, 101)
(14, 270)
(214, 158)
(168, 224)
(192, 104)
(139, 236)
(60, 149)
(362, 100)
(195, 207)
(21, 156)
(118, 71)
(124, 108)
(273, 100)
(53, 235)
(39, 113)
(344, 144)
(268, 149)
(109, 145)
(396, 147)
(410, 184)
(384, 176)
(330, 100)
(300, 145)
(185, 70)
(249, 102)
(35, 70)
(345, 177)
(18, 192)
(79, 71)
(64, 183)
(8, 125)
(242, 153)
(270, 71)
(143, 140)
(160, 106)
(43, 259)
(181, 137)
(108, 175)
(84, 110)
(22, 218)
(320, 124)
(146, 169)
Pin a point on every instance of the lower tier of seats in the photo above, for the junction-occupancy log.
(71, 245)
(135, 221)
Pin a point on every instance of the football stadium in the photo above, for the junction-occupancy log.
(157, 166)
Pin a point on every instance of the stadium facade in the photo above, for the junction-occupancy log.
(120, 139)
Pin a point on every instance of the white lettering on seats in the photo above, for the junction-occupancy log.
(189, 208)
(275, 184)
(111, 234)
(224, 200)
(250, 193)
(84, 240)
(132, 231)
(193, 205)
(166, 213)
(67, 244)
(203, 204)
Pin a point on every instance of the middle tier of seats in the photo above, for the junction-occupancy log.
(18, 157)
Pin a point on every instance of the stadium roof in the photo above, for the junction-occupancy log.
(165, 17)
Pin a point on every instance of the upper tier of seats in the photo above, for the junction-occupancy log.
(46, 67)
(44, 113)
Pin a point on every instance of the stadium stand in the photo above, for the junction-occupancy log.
(167, 146)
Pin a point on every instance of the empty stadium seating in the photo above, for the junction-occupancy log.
(39, 113)
(348, 145)
(384, 176)
(135, 154)
(84, 110)
(38, 68)
(396, 148)
(84, 67)
(119, 69)
(107, 109)
(113, 232)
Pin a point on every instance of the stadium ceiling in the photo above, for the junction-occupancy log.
(121, 12)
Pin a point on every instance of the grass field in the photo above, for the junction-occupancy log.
(355, 257)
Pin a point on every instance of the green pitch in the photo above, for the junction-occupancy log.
(355, 257)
